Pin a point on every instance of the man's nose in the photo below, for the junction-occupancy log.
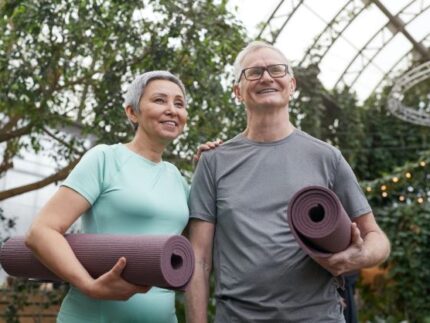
(266, 76)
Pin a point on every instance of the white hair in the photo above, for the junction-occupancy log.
(137, 87)
(253, 47)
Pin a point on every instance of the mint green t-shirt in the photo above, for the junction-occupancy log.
(128, 195)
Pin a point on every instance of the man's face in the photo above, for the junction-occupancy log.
(267, 92)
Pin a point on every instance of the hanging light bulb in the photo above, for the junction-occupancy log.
(384, 194)
(422, 163)
(420, 200)
(408, 175)
(401, 198)
(395, 179)
(383, 187)
(369, 189)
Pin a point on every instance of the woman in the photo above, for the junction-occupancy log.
(120, 189)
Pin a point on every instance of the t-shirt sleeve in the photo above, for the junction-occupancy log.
(203, 192)
(186, 187)
(87, 176)
(346, 187)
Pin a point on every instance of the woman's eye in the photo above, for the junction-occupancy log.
(159, 100)
(179, 104)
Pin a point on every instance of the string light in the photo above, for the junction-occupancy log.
(416, 189)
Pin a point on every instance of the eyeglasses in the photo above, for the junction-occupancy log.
(256, 72)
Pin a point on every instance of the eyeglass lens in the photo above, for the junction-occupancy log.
(255, 73)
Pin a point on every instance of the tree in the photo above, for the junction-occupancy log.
(64, 65)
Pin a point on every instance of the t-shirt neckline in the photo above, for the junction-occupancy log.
(268, 143)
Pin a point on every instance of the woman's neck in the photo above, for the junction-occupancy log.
(147, 148)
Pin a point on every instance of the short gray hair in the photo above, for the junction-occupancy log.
(253, 47)
(137, 87)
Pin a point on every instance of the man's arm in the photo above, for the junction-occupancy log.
(201, 235)
(369, 247)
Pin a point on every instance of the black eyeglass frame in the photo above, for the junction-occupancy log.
(263, 68)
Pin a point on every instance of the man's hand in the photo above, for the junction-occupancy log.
(369, 247)
(348, 260)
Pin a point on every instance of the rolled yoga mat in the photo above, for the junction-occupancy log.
(318, 221)
(162, 261)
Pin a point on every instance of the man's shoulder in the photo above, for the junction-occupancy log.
(315, 144)
(228, 146)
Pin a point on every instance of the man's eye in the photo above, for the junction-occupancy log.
(277, 70)
(254, 71)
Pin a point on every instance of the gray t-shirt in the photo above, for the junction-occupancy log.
(244, 187)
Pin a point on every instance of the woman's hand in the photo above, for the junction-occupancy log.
(204, 147)
(111, 286)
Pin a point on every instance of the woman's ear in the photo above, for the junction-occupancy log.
(131, 114)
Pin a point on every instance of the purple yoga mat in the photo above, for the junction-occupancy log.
(162, 261)
(318, 221)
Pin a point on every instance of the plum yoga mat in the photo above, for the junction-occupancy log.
(318, 221)
(162, 261)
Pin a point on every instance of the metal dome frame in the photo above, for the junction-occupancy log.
(334, 29)
(402, 85)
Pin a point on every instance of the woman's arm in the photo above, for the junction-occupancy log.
(46, 239)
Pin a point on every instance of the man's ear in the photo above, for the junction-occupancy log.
(236, 91)
(292, 85)
(131, 114)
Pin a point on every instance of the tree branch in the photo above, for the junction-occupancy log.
(10, 124)
(61, 141)
(60, 175)
(8, 135)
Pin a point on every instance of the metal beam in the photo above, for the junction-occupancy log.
(400, 26)
(409, 53)
(275, 34)
(347, 14)
(385, 42)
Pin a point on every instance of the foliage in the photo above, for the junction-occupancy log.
(372, 140)
(404, 294)
(64, 66)
(403, 211)
(23, 293)
(7, 225)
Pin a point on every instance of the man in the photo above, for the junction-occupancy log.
(239, 199)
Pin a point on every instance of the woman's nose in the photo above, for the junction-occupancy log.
(171, 109)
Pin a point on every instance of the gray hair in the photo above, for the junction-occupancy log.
(137, 87)
(253, 47)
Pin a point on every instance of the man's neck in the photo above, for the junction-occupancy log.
(268, 126)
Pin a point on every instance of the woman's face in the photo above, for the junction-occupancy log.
(163, 112)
